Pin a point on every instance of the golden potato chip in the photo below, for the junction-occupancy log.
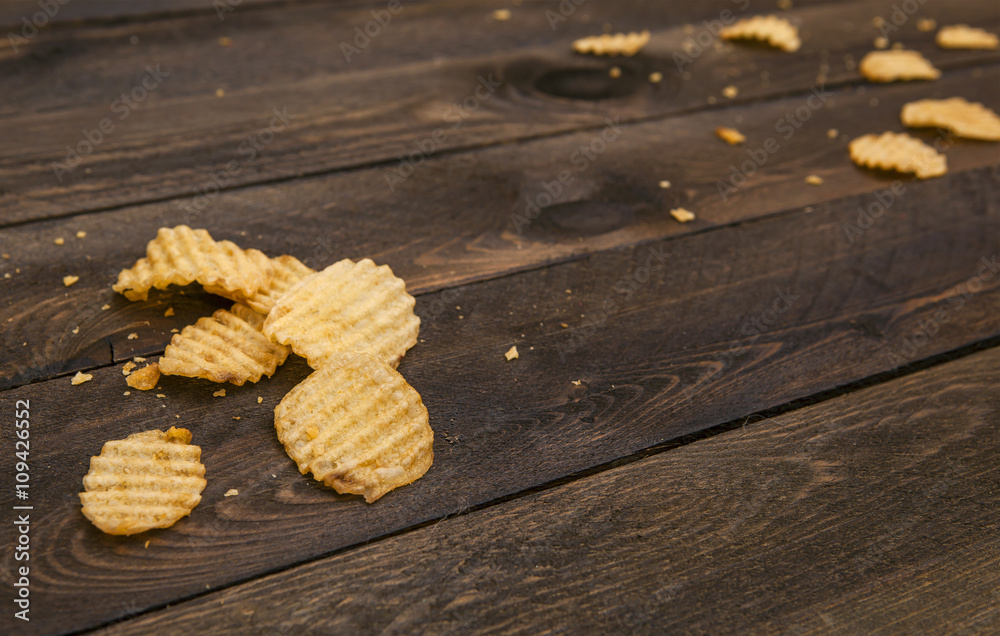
(890, 66)
(286, 271)
(357, 426)
(962, 36)
(964, 118)
(147, 480)
(346, 307)
(892, 151)
(730, 135)
(778, 32)
(228, 346)
(181, 256)
(627, 44)
(145, 378)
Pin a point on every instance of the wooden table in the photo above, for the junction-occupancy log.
(779, 417)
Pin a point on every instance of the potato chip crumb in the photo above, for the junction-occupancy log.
(7, 275)
(814, 179)
(614, 72)
(138, 359)
(160, 395)
(219, 393)
(144, 379)
(577, 382)
(926, 24)
(127, 367)
(730, 91)
(962, 36)
(6, 255)
(146, 545)
(80, 378)
(501, 15)
(224, 41)
(169, 312)
(70, 280)
(730, 135)
(175, 330)
(105, 307)
(236, 417)
(59, 241)
(607, 44)
(832, 133)
(127, 393)
(133, 336)
(220, 92)
(81, 234)
(664, 184)
(564, 325)
(259, 399)
(682, 215)
(232, 492)
(511, 354)
(76, 330)
(655, 77)
(881, 42)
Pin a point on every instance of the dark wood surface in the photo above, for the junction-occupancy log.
(638, 335)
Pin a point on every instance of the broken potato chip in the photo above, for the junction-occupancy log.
(778, 32)
(962, 36)
(181, 256)
(895, 65)
(145, 378)
(227, 346)
(627, 44)
(357, 426)
(145, 481)
(285, 271)
(898, 151)
(346, 307)
(965, 119)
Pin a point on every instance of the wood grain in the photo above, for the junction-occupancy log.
(180, 134)
(454, 220)
(873, 512)
(679, 353)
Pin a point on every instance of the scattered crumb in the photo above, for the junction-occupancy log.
(76, 330)
(169, 312)
(730, 91)
(145, 378)
(133, 336)
(146, 545)
(926, 24)
(878, 22)
(682, 215)
(224, 41)
(232, 492)
(105, 307)
(881, 42)
(814, 179)
(832, 133)
(219, 393)
(501, 15)
(577, 382)
(7, 275)
(6, 255)
(70, 280)
(80, 378)
(259, 399)
(511, 354)
(656, 77)
(59, 241)
(139, 359)
(175, 330)
(730, 135)
(81, 234)
(127, 393)
(236, 417)
(569, 291)
(220, 92)
(564, 325)
(664, 184)
(161, 395)
(614, 72)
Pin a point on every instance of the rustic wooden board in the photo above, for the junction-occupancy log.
(657, 369)
(171, 143)
(871, 512)
(457, 215)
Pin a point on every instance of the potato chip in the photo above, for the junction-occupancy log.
(145, 378)
(346, 307)
(731, 136)
(962, 36)
(181, 256)
(778, 32)
(228, 346)
(147, 480)
(607, 44)
(898, 151)
(357, 426)
(286, 271)
(890, 66)
(964, 118)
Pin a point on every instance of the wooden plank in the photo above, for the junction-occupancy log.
(703, 340)
(180, 133)
(874, 512)
(459, 215)
(14, 12)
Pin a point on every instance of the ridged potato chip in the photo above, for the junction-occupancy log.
(965, 119)
(898, 151)
(357, 426)
(897, 64)
(286, 271)
(627, 44)
(228, 346)
(962, 36)
(346, 307)
(147, 480)
(778, 32)
(181, 256)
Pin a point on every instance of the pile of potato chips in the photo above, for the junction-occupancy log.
(354, 423)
